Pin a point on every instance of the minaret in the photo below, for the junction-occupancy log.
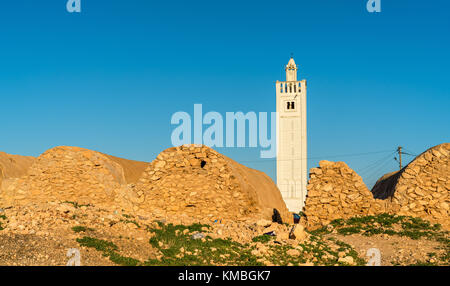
(291, 139)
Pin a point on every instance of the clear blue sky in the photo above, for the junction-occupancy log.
(110, 78)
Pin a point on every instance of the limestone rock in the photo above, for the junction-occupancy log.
(298, 233)
(293, 252)
(348, 259)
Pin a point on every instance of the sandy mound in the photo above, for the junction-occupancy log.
(14, 166)
(71, 174)
(133, 170)
(198, 182)
(421, 189)
(336, 191)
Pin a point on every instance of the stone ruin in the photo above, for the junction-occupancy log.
(68, 174)
(193, 182)
(421, 189)
(201, 183)
(335, 191)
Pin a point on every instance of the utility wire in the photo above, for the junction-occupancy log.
(372, 165)
(376, 175)
(314, 158)
(379, 169)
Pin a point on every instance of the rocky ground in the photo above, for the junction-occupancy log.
(42, 234)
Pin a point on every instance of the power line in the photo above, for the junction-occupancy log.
(378, 170)
(375, 168)
(413, 153)
(314, 158)
(378, 161)
(376, 175)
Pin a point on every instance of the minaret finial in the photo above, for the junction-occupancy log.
(292, 55)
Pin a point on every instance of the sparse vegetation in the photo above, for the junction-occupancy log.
(179, 248)
(262, 238)
(131, 221)
(80, 228)
(2, 217)
(77, 205)
(393, 225)
(411, 227)
(109, 249)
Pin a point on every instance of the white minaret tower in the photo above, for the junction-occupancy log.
(291, 139)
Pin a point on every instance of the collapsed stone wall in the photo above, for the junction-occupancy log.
(421, 189)
(198, 182)
(336, 191)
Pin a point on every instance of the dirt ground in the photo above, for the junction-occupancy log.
(394, 250)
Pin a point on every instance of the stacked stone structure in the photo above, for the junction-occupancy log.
(68, 174)
(421, 189)
(336, 191)
(193, 182)
(201, 183)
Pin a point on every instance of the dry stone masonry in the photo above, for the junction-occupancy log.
(68, 174)
(184, 184)
(198, 182)
(335, 191)
(421, 189)
(194, 183)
